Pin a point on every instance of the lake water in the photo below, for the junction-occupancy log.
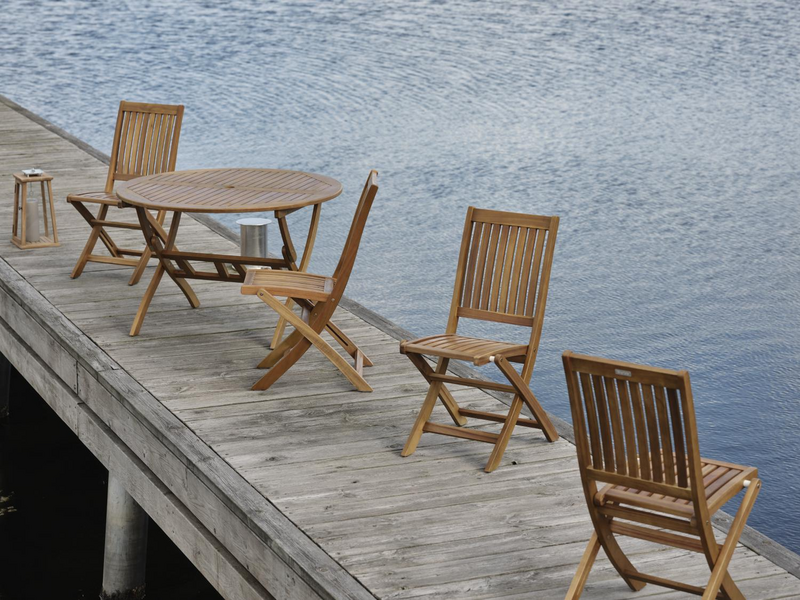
(665, 135)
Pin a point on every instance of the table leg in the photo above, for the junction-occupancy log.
(290, 255)
(158, 240)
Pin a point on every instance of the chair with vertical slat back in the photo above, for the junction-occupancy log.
(318, 296)
(636, 436)
(502, 276)
(145, 143)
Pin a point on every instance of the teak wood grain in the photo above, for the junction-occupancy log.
(502, 276)
(302, 490)
(636, 435)
(223, 190)
(145, 142)
(230, 190)
(318, 296)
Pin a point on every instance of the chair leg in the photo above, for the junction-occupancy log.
(97, 230)
(444, 394)
(426, 410)
(337, 334)
(585, 566)
(505, 435)
(312, 337)
(720, 572)
(277, 353)
(146, 299)
(280, 327)
(602, 527)
(527, 396)
(146, 255)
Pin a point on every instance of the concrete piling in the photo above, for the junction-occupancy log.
(125, 555)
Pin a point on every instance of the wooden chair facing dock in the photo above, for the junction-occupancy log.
(318, 296)
(145, 143)
(503, 274)
(635, 432)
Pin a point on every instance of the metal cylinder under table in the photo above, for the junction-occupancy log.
(253, 232)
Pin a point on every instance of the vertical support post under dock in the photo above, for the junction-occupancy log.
(126, 545)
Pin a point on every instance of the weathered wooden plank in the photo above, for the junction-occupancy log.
(309, 449)
(215, 562)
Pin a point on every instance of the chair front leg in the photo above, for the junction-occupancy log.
(584, 568)
(720, 572)
(97, 231)
(426, 410)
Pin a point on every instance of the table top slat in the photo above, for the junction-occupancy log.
(229, 190)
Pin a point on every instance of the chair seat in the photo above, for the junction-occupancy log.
(475, 350)
(96, 198)
(722, 482)
(291, 284)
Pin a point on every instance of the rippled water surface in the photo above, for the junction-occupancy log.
(665, 135)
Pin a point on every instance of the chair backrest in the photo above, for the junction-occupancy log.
(634, 426)
(145, 141)
(504, 269)
(350, 250)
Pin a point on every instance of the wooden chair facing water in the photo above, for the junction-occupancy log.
(318, 296)
(145, 142)
(635, 432)
(502, 276)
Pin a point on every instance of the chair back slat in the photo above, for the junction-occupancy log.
(145, 141)
(633, 421)
(629, 427)
(665, 428)
(640, 423)
(534, 275)
(488, 264)
(504, 268)
(593, 422)
(616, 426)
(678, 438)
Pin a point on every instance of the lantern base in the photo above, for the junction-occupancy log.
(44, 242)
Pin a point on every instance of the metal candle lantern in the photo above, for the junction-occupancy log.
(26, 230)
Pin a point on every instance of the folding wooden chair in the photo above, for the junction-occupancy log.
(502, 276)
(635, 432)
(145, 142)
(318, 296)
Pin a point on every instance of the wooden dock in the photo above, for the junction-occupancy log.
(300, 491)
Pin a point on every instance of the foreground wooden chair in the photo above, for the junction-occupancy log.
(635, 432)
(145, 142)
(503, 274)
(318, 296)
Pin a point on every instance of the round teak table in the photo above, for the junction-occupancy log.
(221, 191)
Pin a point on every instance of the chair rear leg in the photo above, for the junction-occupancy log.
(584, 568)
(719, 575)
(426, 410)
(146, 254)
(527, 395)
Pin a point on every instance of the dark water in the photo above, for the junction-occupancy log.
(52, 515)
(665, 134)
